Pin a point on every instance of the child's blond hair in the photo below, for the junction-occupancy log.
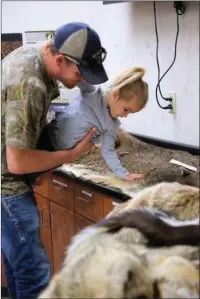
(130, 85)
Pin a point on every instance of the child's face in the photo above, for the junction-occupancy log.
(122, 108)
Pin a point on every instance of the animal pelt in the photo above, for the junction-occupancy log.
(141, 157)
(136, 156)
(99, 265)
(181, 201)
(177, 278)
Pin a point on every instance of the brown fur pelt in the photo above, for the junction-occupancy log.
(136, 156)
(140, 157)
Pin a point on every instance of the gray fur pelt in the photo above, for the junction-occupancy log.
(139, 252)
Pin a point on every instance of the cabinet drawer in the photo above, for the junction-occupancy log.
(88, 203)
(61, 191)
(81, 223)
(41, 185)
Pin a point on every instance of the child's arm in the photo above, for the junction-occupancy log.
(110, 156)
(112, 160)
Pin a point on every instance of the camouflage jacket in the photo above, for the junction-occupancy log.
(26, 95)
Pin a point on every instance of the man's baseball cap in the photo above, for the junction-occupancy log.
(81, 44)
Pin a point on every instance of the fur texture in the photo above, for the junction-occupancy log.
(181, 201)
(93, 270)
(151, 160)
(104, 261)
(136, 156)
(177, 278)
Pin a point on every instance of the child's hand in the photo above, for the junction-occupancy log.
(133, 176)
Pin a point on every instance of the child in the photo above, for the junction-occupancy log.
(95, 108)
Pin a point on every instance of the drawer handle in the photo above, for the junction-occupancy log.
(44, 225)
(86, 200)
(53, 230)
(62, 185)
(86, 193)
(58, 188)
(115, 203)
(37, 182)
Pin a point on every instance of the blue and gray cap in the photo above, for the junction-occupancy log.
(81, 44)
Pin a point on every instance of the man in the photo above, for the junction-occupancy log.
(29, 85)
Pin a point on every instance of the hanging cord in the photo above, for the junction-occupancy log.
(180, 9)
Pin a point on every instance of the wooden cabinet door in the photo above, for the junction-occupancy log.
(108, 205)
(41, 185)
(63, 228)
(81, 222)
(45, 227)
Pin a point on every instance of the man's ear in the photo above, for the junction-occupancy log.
(59, 59)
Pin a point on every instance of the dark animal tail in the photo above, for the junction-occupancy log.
(157, 226)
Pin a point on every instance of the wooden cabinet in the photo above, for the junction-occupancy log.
(63, 229)
(108, 205)
(88, 203)
(66, 207)
(54, 196)
(61, 191)
(81, 222)
(41, 185)
(57, 224)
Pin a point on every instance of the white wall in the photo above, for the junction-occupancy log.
(127, 32)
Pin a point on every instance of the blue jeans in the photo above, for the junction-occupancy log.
(27, 267)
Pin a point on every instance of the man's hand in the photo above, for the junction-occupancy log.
(133, 176)
(24, 160)
(85, 144)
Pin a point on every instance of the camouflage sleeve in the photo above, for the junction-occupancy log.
(25, 109)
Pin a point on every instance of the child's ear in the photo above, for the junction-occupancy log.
(116, 94)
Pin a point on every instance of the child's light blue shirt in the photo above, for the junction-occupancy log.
(87, 111)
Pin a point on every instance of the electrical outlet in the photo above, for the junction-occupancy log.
(173, 102)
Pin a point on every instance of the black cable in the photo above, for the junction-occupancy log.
(157, 59)
(157, 40)
(175, 51)
(180, 9)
